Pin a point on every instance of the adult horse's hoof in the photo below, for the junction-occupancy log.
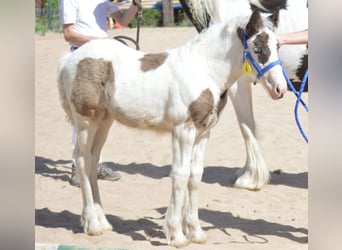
(247, 180)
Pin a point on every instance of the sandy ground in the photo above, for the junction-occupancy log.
(273, 218)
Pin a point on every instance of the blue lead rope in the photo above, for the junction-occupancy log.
(299, 100)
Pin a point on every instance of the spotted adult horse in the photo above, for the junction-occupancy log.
(105, 81)
(293, 16)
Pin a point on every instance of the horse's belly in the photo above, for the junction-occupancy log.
(142, 109)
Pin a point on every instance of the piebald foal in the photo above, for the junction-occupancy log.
(181, 91)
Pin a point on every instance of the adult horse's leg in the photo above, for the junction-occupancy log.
(182, 141)
(98, 142)
(255, 173)
(195, 233)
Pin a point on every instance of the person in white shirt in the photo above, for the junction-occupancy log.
(85, 20)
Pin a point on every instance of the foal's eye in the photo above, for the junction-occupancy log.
(257, 50)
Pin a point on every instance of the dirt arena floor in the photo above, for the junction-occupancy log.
(274, 218)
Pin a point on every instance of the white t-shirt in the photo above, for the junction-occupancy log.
(88, 16)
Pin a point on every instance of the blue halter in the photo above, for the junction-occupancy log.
(247, 55)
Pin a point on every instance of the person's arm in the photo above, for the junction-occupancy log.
(124, 18)
(299, 37)
(76, 38)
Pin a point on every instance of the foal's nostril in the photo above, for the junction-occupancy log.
(277, 90)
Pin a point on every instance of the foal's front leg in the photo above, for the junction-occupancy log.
(195, 233)
(182, 141)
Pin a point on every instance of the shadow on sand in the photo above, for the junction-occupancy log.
(147, 227)
(224, 176)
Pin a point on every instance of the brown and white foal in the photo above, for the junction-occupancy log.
(181, 91)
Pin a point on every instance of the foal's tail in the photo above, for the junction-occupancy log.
(61, 85)
(63, 60)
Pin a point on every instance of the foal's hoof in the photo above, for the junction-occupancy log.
(107, 227)
(92, 227)
(199, 239)
(181, 242)
(99, 228)
(93, 232)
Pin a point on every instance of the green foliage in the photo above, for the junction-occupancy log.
(181, 20)
(49, 20)
(54, 4)
(150, 18)
(47, 23)
(153, 18)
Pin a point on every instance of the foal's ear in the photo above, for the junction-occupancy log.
(254, 23)
(274, 18)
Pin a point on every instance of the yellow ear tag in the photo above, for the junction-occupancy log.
(246, 67)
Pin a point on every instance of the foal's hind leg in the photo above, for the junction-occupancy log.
(255, 173)
(98, 142)
(86, 165)
(85, 169)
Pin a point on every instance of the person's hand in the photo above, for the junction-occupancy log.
(280, 40)
(297, 37)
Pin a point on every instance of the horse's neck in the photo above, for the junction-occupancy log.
(218, 51)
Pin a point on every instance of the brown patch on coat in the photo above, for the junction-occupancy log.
(94, 81)
(201, 110)
(152, 61)
(261, 47)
